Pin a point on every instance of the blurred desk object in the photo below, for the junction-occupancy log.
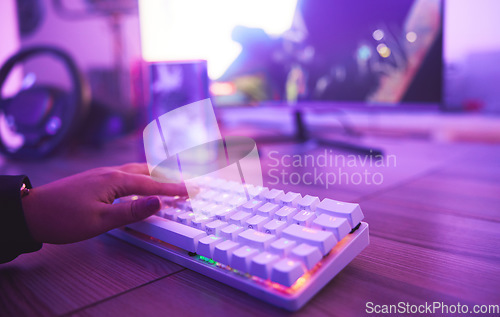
(435, 236)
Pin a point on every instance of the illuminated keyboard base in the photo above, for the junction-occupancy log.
(291, 298)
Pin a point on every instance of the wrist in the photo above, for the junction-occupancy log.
(15, 234)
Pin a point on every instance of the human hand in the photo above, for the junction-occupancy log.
(80, 206)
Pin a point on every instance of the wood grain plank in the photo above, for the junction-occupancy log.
(387, 272)
(452, 195)
(427, 227)
(59, 279)
(184, 294)
(462, 277)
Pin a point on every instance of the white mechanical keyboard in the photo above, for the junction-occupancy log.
(279, 247)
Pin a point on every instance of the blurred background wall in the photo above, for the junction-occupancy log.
(100, 35)
(471, 52)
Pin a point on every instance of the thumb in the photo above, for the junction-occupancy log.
(132, 211)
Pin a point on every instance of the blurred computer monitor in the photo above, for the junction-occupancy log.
(372, 52)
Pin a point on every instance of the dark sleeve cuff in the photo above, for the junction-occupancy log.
(15, 237)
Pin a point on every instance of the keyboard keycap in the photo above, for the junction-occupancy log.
(252, 206)
(238, 190)
(207, 195)
(286, 213)
(224, 250)
(231, 232)
(197, 205)
(206, 245)
(308, 203)
(256, 192)
(304, 218)
(336, 208)
(214, 227)
(307, 254)
(287, 271)
(275, 227)
(161, 212)
(171, 232)
(339, 226)
(230, 187)
(199, 222)
(184, 204)
(267, 210)
(324, 240)
(290, 199)
(171, 213)
(242, 257)
(222, 198)
(256, 222)
(262, 263)
(224, 213)
(256, 239)
(273, 196)
(282, 246)
(209, 210)
(240, 217)
(185, 218)
(237, 202)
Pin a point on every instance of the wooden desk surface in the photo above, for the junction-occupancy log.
(434, 227)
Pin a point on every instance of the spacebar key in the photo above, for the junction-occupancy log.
(171, 232)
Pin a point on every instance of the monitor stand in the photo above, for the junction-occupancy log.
(303, 137)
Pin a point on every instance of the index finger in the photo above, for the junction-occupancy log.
(136, 184)
(134, 168)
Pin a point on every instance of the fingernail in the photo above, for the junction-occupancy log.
(153, 204)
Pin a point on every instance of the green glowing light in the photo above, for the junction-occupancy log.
(207, 259)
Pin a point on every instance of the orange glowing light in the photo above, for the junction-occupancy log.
(383, 50)
(222, 88)
(309, 230)
(298, 284)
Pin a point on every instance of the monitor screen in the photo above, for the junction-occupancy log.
(373, 51)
